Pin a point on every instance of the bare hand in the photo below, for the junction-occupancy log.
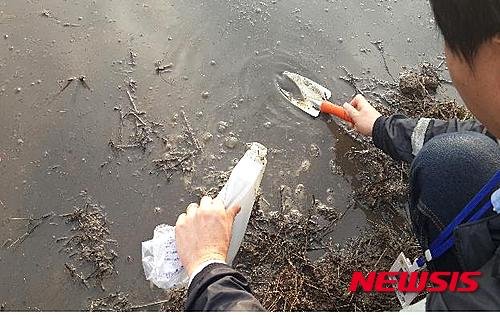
(363, 114)
(204, 232)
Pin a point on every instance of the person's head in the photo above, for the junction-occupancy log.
(471, 30)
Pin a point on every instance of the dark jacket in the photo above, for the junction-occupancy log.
(220, 288)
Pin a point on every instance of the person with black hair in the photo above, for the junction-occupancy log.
(451, 162)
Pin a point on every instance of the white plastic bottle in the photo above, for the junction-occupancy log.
(159, 256)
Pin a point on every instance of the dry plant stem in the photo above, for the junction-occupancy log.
(190, 132)
(132, 102)
(31, 227)
(136, 307)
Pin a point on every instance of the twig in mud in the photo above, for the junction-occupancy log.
(132, 102)
(31, 227)
(380, 48)
(71, 25)
(81, 79)
(136, 307)
(122, 147)
(190, 132)
(136, 115)
(45, 216)
(351, 80)
(381, 255)
(132, 58)
(60, 239)
(440, 64)
(161, 68)
(7, 241)
(74, 274)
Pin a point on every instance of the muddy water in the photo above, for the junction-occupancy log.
(52, 145)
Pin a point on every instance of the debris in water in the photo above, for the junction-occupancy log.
(133, 56)
(115, 302)
(89, 244)
(304, 166)
(179, 158)
(205, 95)
(419, 84)
(32, 225)
(119, 302)
(222, 126)
(314, 151)
(231, 142)
(206, 136)
(161, 68)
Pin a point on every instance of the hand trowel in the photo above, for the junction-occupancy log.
(309, 96)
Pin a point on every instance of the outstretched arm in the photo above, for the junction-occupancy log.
(202, 236)
(401, 137)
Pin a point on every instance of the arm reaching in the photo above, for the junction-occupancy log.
(399, 136)
(203, 235)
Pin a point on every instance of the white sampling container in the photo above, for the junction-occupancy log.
(160, 261)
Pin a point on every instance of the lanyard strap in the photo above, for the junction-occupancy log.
(445, 240)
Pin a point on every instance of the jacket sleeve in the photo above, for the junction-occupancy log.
(402, 138)
(218, 287)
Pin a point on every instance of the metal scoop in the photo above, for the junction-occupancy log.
(310, 97)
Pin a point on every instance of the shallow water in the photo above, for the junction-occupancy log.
(52, 146)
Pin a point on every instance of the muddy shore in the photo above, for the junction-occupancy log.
(114, 116)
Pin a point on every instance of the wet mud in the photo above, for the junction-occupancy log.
(147, 106)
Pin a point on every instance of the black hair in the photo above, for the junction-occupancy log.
(467, 24)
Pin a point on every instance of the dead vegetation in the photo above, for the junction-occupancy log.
(143, 129)
(90, 246)
(285, 278)
(119, 302)
(31, 225)
(180, 152)
(115, 302)
(138, 131)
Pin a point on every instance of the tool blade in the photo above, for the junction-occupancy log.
(311, 92)
(303, 104)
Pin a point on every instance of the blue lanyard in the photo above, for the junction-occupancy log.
(445, 240)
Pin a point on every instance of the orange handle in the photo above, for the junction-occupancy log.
(332, 109)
